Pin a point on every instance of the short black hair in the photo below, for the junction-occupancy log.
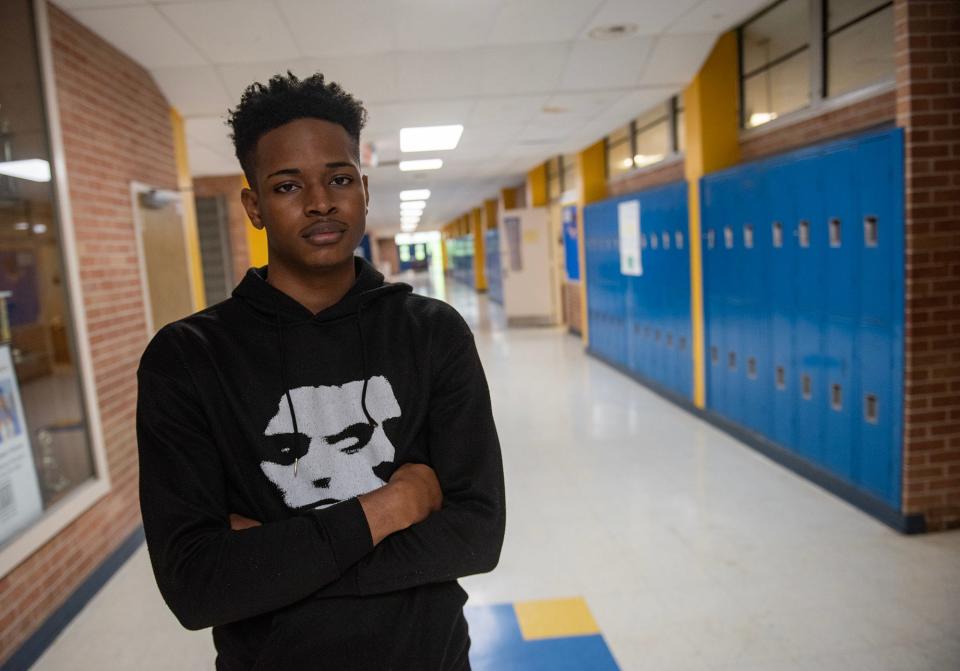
(286, 98)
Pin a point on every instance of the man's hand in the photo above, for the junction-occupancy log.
(239, 522)
(411, 495)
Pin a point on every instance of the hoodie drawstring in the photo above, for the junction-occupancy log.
(286, 391)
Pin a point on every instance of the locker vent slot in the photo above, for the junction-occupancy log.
(752, 368)
(643, 241)
(666, 240)
(777, 234)
(682, 343)
(781, 378)
(711, 239)
(803, 232)
(870, 233)
(835, 237)
(836, 397)
(806, 388)
(669, 340)
(870, 408)
(728, 237)
(654, 240)
(732, 360)
(714, 355)
(748, 236)
(678, 238)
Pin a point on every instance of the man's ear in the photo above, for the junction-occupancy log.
(366, 192)
(251, 203)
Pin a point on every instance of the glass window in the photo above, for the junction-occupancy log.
(680, 140)
(619, 152)
(775, 60)
(652, 136)
(569, 163)
(554, 188)
(44, 445)
(859, 44)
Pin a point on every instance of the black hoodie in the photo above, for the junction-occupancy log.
(257, 407)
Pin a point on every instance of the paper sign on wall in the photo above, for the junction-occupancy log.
(628, 219)
(20, 500)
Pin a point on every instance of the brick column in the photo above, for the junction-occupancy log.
(927, 44)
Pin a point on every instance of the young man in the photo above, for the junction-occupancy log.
(318, 457)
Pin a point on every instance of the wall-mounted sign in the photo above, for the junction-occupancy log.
(20, 500)
(631, 260)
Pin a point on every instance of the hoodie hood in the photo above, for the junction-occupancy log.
(274, 306)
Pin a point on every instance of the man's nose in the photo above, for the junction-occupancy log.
(318, 202)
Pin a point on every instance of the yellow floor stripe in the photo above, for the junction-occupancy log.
(555, 618)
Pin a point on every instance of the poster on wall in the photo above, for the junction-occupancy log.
(20, 500)
(628, 219)
(570, 251)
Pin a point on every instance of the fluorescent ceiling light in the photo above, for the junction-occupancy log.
(413, 205)
(34, 169)
(408, 228)
(422, 164)
(418, 237)
(409, 216)
(415, 194)
(430, 138)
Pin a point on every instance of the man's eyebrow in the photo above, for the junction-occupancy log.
(297, 171)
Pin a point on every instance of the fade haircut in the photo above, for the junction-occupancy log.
(286, 98)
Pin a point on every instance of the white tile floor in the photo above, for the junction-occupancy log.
(692, 550)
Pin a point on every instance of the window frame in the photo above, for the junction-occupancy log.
(671, 108)
(818, 35)
(85, 495)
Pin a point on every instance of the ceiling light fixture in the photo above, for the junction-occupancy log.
(409, 218)
(34, 169)
(415, 194)
(612, 32)
(430, 138)
(421, 164)
(413, 205)
(408, 228)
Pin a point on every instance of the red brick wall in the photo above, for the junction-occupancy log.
(115, 129)
(653, 176)
(928, 108)
(857, 116)
(229, 187)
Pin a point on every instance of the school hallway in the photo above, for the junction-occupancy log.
(638, 537)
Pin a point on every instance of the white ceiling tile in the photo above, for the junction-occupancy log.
(431, 25)
(395, 116)
(337, 29)
(238, 77)
(211, 132)
(371, 78)
(194, 91)
(675, 59)
(505, 110)
(523, 69)
(717, 16)
(598, 64)
(234, 31)
(87, 4)
(554, 21)
(143, 34)
(439, 75)
(582, 104)
(204, 162)
(650, 17)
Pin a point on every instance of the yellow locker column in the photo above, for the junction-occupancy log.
(256, 240)
(190, 232)
(712, 143)
(508, 198)
(537, 186)
(479, 250)
(444, 234)
(591, 187)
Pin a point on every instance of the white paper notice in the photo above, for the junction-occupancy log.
(20, 502)
(628, 213)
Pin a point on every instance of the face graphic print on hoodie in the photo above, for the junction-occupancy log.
(345, 446)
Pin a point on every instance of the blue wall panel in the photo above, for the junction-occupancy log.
(638, 322)
(818, 296)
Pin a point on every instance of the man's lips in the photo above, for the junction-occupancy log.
(323, 233)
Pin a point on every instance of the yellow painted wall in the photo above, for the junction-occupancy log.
(185, 186)
(479, 249)
(537, 186)
(712, 135)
